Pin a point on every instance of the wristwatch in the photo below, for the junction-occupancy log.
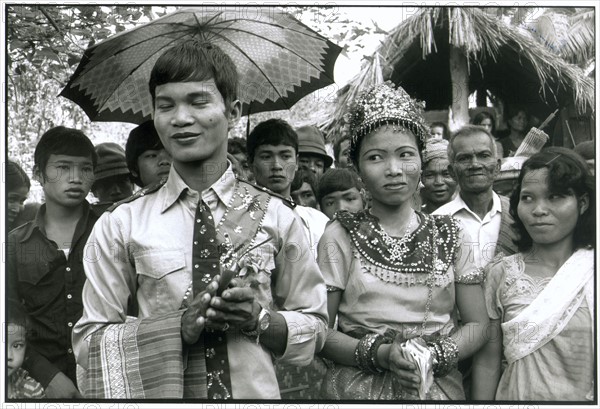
(264, 320)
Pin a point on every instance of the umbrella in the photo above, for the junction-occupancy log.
(279, 60)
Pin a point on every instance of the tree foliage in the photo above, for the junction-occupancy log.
(45, 44)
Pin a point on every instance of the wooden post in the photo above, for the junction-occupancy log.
(460, 87)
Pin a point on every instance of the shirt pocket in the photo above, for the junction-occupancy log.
(38, 286)
(162, 277)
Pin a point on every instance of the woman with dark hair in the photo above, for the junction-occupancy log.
(518, 122)
(395, 275)
(540, 300)
(487, 122)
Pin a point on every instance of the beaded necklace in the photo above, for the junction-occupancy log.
(407, 260)
(398, 247)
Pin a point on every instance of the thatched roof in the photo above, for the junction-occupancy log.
(508, 63)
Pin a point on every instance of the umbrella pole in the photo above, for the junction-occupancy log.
(248, 121)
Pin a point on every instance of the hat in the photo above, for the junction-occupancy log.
(586, 150)
(435, 149)
(311, 141)
(111, 161)
(384, 104)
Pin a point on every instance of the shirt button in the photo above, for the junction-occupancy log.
(70, 324)
(68, 268)
(69, 296)
(70, 350)
(196, 266)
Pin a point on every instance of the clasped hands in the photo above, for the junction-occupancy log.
(234, 308)
(401, 364)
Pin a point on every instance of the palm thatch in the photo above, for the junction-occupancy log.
(504, 61)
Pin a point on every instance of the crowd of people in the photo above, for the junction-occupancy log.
(263, 268)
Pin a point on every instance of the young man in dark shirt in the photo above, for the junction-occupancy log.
(45, 257)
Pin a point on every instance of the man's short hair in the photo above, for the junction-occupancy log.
(196, 61)
(470, 130)
(236, 145)
(337, 147)
(303, 175)
(141, 139)
(16, 315)
(273, 131)
(16, 177)
(61, 140)
(338, 180)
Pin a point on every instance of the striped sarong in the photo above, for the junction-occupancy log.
(145, 359)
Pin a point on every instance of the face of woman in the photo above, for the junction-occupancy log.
(548, 217)
(486, 123)
(518, 122)
(390, 165)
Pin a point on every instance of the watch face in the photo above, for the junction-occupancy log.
(265, 321)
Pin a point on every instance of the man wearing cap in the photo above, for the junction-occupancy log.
(311, 150)
(113, 180)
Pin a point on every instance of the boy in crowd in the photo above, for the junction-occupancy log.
(341, 147)
(112, 178)
(17, 190)
(272, 148)
(163, 254)
(236, 147)
(44, 263)
(312, 155)
(146, 157)
(273, 154)
(304, 189)
(340, 189)
(20, 384)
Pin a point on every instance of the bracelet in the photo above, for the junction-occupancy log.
(445, 355)
(365, 354)
(373, 364)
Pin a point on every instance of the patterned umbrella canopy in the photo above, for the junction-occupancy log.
(279, 60)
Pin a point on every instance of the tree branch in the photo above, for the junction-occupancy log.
(50, 19)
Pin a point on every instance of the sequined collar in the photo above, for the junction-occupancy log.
(413, 254)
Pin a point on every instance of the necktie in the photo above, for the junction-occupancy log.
(206, 264)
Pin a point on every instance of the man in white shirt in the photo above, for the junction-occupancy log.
(272, 148)
(474, 164)
(158, 322)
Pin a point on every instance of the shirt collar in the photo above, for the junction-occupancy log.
(459, 204)
(223, 187)
(39, 224)
(175, 186)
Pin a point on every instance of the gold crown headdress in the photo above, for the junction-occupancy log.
(384, 104)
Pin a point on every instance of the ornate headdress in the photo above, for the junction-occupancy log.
(435, 149)
(384, 104)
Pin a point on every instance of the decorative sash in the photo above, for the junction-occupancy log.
(145, 358)
(553, 308)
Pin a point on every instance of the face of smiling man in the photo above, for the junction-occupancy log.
(192, 120)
